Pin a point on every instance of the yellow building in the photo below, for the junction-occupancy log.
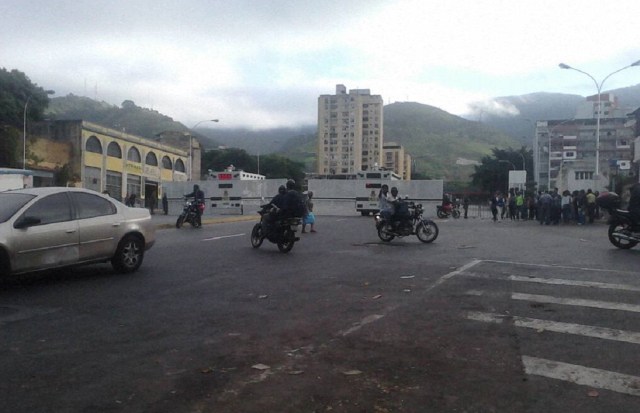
(85, 154)
(397, 160)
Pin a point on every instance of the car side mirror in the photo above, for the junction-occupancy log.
(26, 222)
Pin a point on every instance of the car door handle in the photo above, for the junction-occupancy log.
(70, 231)
(116, 224)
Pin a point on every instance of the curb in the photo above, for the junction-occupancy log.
(211, 221)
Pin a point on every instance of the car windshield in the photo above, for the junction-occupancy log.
(11, 202)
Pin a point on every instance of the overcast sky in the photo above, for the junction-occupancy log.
(263, 63)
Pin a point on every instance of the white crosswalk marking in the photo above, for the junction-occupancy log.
(543, 367)
(586, 376)
(605, 305)
(558, 327)
(557, 281)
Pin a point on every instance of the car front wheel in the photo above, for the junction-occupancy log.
(129, 254)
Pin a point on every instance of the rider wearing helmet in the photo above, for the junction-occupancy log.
(276, 201)
(198, 197)
(292, 202)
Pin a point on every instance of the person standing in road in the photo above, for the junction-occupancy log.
(310, 218)
(465, 205)
(590, 199)
(165, 204)
(494, 201)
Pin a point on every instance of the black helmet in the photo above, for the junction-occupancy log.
(291, 184)
(196, 187)
(282, 189)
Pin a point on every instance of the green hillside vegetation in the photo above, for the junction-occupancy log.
(437, 140)
(130, 118)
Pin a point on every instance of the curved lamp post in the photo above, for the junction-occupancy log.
(24, 129)
(599, 89)
(191, 145)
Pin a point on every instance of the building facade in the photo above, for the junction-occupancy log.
(394, 158)
(104, 159)
(350, 136)
(565, 153)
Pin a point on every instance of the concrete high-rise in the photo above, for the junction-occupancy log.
(349, 132)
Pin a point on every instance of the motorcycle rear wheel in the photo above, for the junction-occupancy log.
(256, 235)
(180, 221)
(427, 231)
(289, 238)
(442, 214)
(617, 241)
(385, 233)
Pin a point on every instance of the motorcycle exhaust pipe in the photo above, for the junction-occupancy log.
(625, 237)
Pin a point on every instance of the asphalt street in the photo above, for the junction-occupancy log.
(491, 317)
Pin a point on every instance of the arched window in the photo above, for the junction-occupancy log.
(93, 145)
(179, 165)
(133, 155)
(166, 162)
(114, 150)
(151, 159)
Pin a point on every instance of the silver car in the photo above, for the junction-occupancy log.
(43, 228)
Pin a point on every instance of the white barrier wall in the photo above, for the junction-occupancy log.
(331, 196)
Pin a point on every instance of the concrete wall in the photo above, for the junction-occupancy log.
(331, 197)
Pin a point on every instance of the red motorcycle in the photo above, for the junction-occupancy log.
(447, 210)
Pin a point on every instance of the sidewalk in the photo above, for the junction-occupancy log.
(169, 221)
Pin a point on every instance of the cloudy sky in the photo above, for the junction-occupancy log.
(263, 63)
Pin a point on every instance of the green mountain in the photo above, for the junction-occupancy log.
(442, 145)
(129, 117)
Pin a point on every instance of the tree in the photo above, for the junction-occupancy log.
(16, 89)
(271, 166)
(493, 173)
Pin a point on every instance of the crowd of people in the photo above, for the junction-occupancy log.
(547, 207)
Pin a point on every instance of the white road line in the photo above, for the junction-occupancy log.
(558, 281)
(367, 320)
(605, 305)
(585, 376)
(454, 273)
(567, 267)
(558, 327)
(223, 237)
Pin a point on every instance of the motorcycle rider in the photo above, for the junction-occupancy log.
(384, 202)
(291, 202)
(276, 201)
(198, 197)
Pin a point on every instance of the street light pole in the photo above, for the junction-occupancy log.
(191, 145)
(599, 89)
(24, 134)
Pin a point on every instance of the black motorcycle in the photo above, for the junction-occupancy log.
(448, 210)
(407, 220)
(190, 214)
(624, 231)
(281, 232)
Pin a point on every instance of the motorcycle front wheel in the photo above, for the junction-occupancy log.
(620, 242)
(289, 238)
(385, 233)
(427, 231)
(180, 221)
(455, 213)
(256, 235)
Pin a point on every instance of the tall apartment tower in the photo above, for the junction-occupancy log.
(349, 131)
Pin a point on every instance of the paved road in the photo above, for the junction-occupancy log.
(504, 317)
